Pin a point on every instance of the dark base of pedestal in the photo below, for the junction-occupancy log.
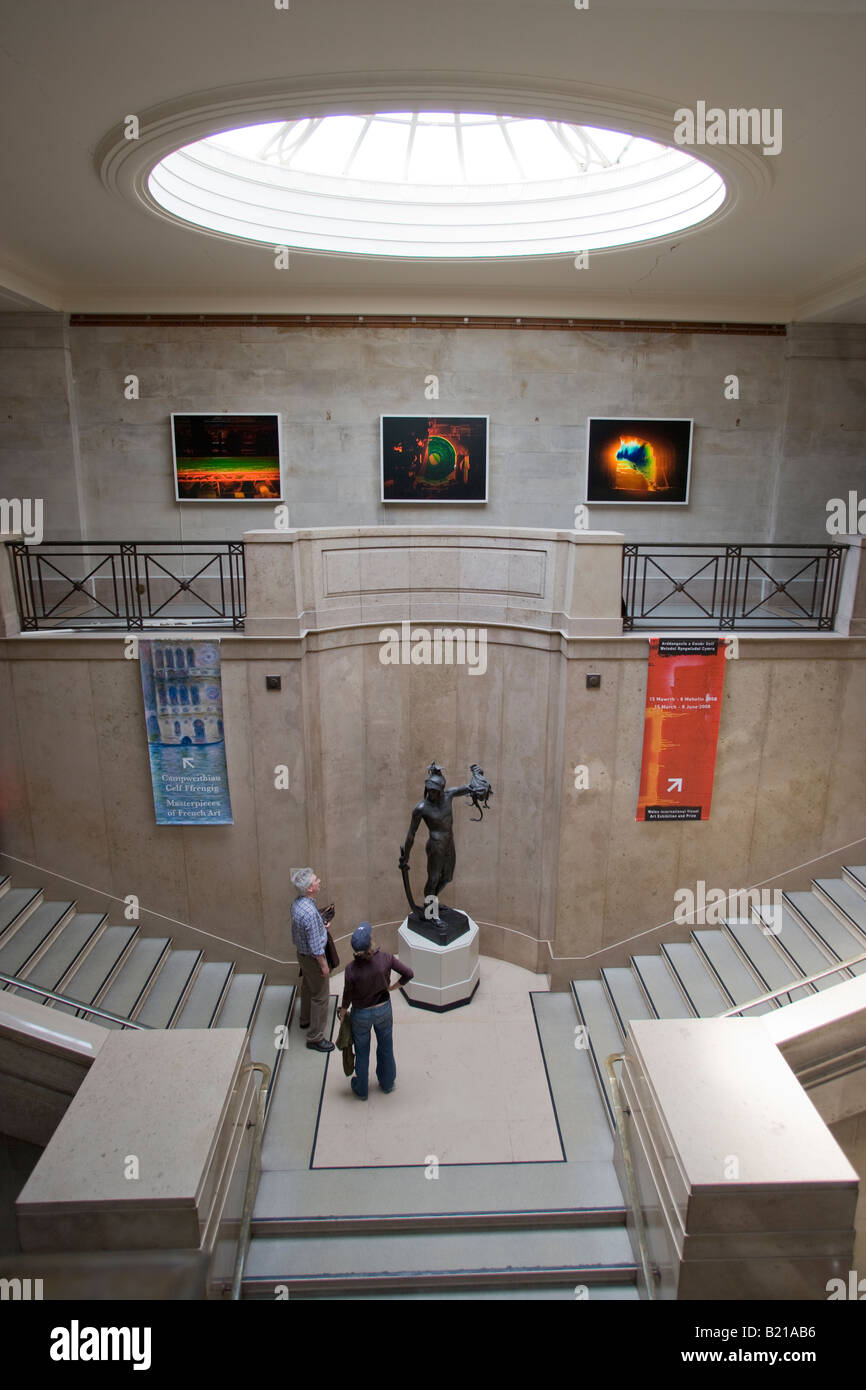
(440, 1008)
(453, 925)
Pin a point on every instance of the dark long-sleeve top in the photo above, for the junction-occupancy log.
(367, 981)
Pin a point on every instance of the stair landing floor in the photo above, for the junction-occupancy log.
(471, 1086)
(500, 1081)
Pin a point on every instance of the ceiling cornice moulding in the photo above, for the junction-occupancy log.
(834, 292)
(124, 165)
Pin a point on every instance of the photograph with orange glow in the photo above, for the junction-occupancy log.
(631, 462)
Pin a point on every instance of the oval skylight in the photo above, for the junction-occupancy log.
(435, 185)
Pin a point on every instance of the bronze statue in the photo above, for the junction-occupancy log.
(440, 924)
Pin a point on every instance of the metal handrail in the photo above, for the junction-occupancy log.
(728, 567)
(253, 1174)
(795, 984)
(651, 1274)
(75, 1003)
(714, 545)
(126, 569)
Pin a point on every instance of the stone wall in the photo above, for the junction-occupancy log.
(556, 877)
(39, 437)
(823, 443)
(763, 465)
(332, 384)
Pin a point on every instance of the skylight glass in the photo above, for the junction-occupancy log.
(435, 185)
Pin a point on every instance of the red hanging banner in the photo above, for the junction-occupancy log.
(685, 681)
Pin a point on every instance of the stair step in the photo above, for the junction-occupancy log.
(770, 965)
(274, 1012)
(855, 876)
(324, 1201)
(242, 1001)
(137, 974)
(599, 1293)
(581, 1116)
(90, 978)
(626, 998)
(206, 996)
(166, 999)
(295, 1100)
(78, 936)
(16, 905)
(846, 902)
(602, 1032)
(666, 998)
(790, 936)
(531, 1256)
(840, 941)
(732, 973)
(33, 935)
(704, 995)
(5, 884)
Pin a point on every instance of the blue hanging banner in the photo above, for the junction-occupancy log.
(183, 705)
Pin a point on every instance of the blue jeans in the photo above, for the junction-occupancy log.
(381, 1018)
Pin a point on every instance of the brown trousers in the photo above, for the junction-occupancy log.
(315, 996)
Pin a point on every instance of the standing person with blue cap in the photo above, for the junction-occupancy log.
(366, 989)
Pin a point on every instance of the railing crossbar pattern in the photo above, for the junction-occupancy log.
(133, 584)
(731, 585)
(123, 582)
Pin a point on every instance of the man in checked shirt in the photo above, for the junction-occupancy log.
(309, 936)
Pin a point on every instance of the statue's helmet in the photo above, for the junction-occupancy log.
(435, 779)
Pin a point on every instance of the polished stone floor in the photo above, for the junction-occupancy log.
(471, 1086)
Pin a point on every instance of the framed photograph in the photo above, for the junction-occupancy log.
(434, 458)
(226, 458)
(633, 462)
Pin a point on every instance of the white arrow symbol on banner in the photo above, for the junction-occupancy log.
(188, 762)
(675, 784)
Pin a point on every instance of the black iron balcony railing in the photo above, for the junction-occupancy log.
(130, 585)
(81, 585)
(761, 586)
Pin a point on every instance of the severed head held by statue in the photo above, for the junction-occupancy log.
(440, 924)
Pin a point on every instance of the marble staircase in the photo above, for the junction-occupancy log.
(83, 957)
(721, 969)
(539, 1231)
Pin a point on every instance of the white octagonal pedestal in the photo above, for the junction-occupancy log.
(445, 976)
